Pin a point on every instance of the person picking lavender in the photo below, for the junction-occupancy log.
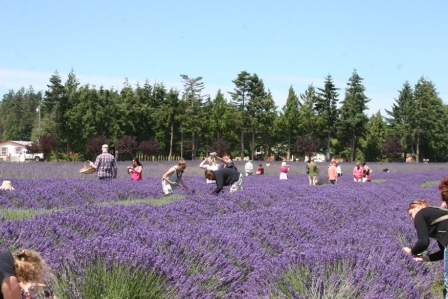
(429, 222)
(173, 177)
(225, 177)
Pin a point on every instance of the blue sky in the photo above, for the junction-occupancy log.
(286, 43)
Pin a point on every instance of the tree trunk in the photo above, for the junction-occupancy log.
(68, 156)
(289, 146)
(417, 148)
(253, 145)
(171, 142)
(193, 146)
(181, 143)
(352, 148)
(242, 144)
(328, 146)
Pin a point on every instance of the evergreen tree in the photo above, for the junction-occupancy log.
(18, 110)
(240, 96)
(428, 121)
(326, 107)
(375, 138)
(167, 120)
(353, 120)
(308, 121)
(290, 117)
(400, 117)
(258, 110)
(193, 108)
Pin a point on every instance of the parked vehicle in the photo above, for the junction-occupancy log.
(25, 155)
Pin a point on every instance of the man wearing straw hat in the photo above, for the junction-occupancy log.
(105, 165)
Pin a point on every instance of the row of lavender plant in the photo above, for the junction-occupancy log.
(237, 245)
(41, 170)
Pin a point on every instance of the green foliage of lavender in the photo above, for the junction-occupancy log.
(274, 239)
(111, 281)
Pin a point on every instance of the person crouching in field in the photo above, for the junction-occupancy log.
(429, 222)
(18, 271)
(225, 177)
(173, 177)
(358, 172)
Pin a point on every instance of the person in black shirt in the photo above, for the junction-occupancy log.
(225, 177)
(429, 224)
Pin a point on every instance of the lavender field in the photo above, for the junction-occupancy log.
(274, 239)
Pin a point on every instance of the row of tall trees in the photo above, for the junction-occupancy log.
(188, 123)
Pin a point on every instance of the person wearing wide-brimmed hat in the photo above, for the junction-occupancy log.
(6, 185)
(105, 165)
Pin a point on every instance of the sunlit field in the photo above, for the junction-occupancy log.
(274, 239)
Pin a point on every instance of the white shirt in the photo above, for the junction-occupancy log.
(249, 167)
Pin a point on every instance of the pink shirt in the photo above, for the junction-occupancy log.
(135, 175)
(284, 169)
(358, 173)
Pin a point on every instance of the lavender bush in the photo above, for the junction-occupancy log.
(274, 239)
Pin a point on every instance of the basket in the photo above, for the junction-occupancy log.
(87, 170)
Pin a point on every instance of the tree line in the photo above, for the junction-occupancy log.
(152, 120)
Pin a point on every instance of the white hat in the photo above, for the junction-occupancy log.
(283, 163)
(105, 146)
(6, 185)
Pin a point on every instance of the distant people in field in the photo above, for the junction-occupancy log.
(284, 169)
(366, 173)
(225, 177)
(332, 174)
(226, 159)
(105, 165)
(313, 172)
(429, 223)
(358, 172)
(249, 168)
(136, 170)
(209, 163)
(338, 169)
(173, 177)
(409, 159)
(260, 169)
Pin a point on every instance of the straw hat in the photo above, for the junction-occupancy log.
(6, 185)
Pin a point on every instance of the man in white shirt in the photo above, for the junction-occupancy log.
(249, 168)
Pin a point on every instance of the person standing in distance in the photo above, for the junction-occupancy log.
(332, 173)
(249, 168)
(211, 165)
(105, 165)
(313, 171)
